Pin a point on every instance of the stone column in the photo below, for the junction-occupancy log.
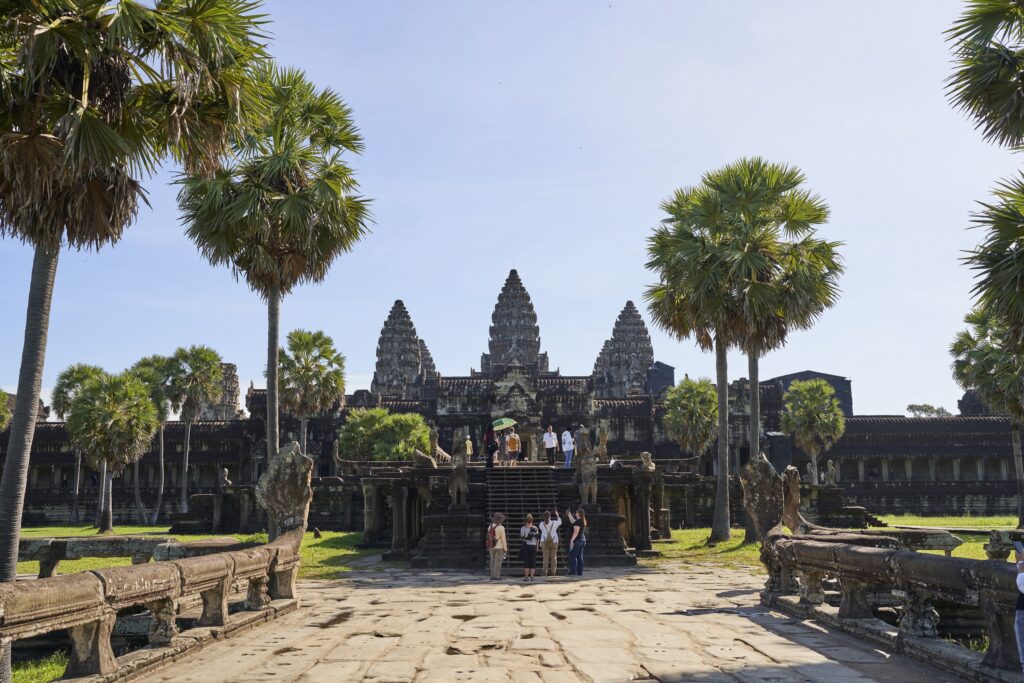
(979, 464)
(643, 512)
(956, 469)
(908, 465)
(860, 469)
(33, 477)
(400, 513)
(369, 511)
(56, 476)
(933, 469)
(885, 469)
(1004, 470)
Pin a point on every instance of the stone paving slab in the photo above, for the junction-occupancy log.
(675, 623)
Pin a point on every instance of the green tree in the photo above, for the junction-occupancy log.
(691, 415)
(196, 378)
(5, 413)
(811, 414)
(377, 434)
(284, 207)
(69, 383)
(312, 376)
(92, 95)
(987, 359)
(157, 373)
(112, 421)
(927, 410)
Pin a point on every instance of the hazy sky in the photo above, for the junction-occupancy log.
(543, 136)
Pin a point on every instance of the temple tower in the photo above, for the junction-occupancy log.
(514, 334)
(226, 406)
(402, 357)
(621, 367)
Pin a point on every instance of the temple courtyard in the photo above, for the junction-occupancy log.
(676, 622)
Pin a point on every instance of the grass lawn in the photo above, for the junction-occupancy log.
(981, 523)
(322, 558)
(690, 545)
(40, 670)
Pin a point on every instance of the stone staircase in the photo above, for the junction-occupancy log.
(517, 491)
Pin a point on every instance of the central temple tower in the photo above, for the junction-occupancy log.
(514, 334)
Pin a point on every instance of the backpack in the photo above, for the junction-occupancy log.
(489, 542)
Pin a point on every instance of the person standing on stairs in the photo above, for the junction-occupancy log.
(567, 447)
(550, 445)
(531, 536)
(497, 544)
(549, 543)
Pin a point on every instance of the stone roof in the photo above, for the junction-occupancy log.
(897, 436)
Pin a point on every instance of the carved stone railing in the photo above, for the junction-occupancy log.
(919, 581)
(87, 603)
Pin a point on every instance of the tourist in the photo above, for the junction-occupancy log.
(531, 536)
(497, 544)
(567, 447)
(514, 447)
(549, 544)
(1018, 623)
(469, 448)
(490, 447)
(550, 445)
(502, 449)
(577, 542)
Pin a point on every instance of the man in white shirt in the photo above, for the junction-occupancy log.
(567, 447)
(550, 445)
(549, 543)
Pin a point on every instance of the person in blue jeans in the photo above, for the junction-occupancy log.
(1018, 623)
(567, 447)
(577, 542)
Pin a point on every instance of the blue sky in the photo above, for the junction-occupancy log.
(543, 136)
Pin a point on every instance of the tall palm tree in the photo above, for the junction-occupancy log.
(987, 359)
(69, 383)
(694, 298)
(691, 415)
(785, 276)
(312, 376)
(112, 421)
(811, 413)
(285, 206)
(92, 95)
(196, 377)
(157, 373)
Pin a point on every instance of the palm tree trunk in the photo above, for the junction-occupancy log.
(183, 504)
(753, 370)
(303, 424)
(107, 521)
(1018, 465)
(75, 516)
(23, 422)
(720, 522)
(273, 334)
(101, 499)
(160, 489)
(140, 509)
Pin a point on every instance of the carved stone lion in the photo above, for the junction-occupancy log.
(458, 481)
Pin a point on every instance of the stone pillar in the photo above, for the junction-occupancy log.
(33, 477)
(885, 469)
(956, 469)
(400, 517)
(933, 469)
(370, 512)
(1004, 470)
(979, 464)
(860, 469)
(908, 466)
(643, 511)
(56, 476)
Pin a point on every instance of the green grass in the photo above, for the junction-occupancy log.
(321, 558)
(41, 670)
(981, 523)
(690, 545)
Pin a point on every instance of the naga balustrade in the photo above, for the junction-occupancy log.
(918, 580)
(87, 603)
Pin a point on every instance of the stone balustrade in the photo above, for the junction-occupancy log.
(87, 603)
(921, 582)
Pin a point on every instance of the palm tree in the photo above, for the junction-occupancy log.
(196, 377)
(112, 422)
(157, 373)
(785, 277)
(92, 95)
(694, 298)
(284, 207)
(812, 415)
(986, 358)
(69, 383)
(312, 376)
(5, 413)
(691, 414)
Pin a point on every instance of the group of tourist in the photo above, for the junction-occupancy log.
(504, 448)
(544, 535)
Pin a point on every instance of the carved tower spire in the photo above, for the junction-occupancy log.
(515, 335)
(621, 368)
(399, 355)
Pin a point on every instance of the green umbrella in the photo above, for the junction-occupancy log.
(503, 423)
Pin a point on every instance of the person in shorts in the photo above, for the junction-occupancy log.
(514, 447)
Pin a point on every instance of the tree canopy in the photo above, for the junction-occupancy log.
(312, 373)
(811, 413)
(196, 377)
(691, 414)
(5, 412)
(112, 420)
(927, 410)
(377, 434)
